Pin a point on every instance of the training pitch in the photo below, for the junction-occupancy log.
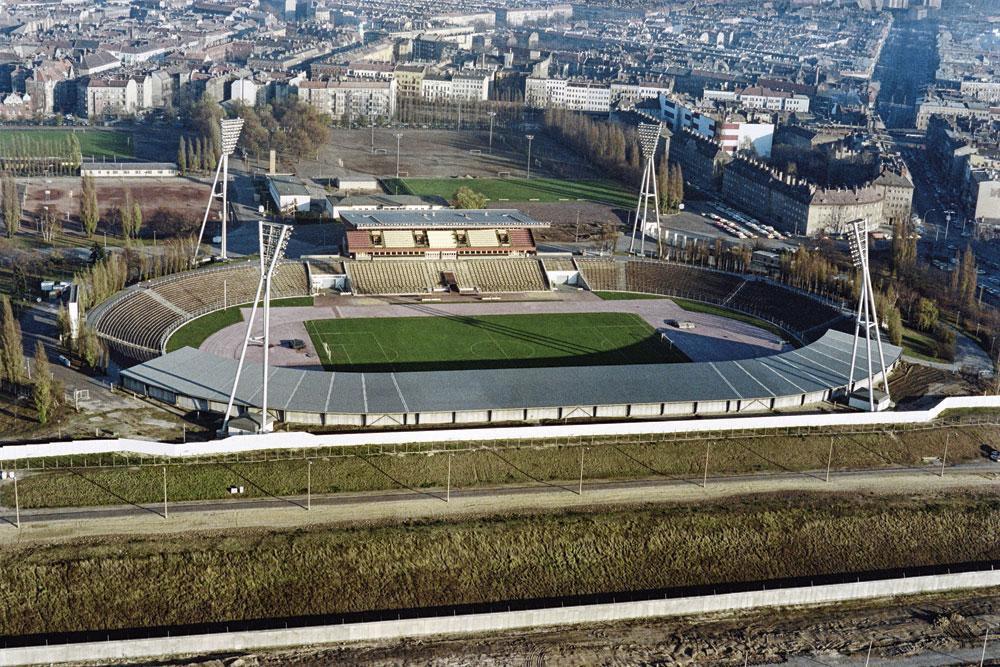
(52, 143)
(489, 341)
(519, 189)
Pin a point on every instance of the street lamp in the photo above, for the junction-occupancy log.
(492, 115)
(373, 138)
(399, 135)
(530, 138)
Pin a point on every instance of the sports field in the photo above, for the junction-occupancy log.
(488, 341)
(53, 143)
(519, 189)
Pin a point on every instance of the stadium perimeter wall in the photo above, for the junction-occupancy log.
(301, 440)
(207, 644)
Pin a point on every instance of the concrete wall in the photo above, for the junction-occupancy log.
(494, 622)
(297, 440)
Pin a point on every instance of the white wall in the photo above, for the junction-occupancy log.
(495, 621)
(296, 440)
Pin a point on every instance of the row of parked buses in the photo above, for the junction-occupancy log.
(744, 227)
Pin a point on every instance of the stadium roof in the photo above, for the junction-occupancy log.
(448, 218)
(818, 367)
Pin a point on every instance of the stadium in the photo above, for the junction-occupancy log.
(454, 317)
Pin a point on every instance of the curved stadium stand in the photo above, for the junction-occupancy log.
(483, 276)
(804, 315)
(137, 322)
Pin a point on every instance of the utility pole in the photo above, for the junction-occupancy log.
(829, 460)
(309, 482)
(17, 503)
(708, 448)
(530, 138)
(869, 658)
(986, 639)
(576, 237)
(944, 459)
(447, 497)
(399, 136)
(373, 139)
(579, 491)
(492, 115)
(165, 515)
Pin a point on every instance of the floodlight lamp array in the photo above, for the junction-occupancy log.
(274, 241)
(649, 137)
(858, 243)
(231, 129)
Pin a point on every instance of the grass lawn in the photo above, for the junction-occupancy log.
(519, 189)
(490, 341)
(628, 296)
(920, 345)
(712, 309)
(194, 333)
(115, 582)
(52, 142)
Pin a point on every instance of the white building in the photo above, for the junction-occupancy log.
(245, 92)
(461, 86)
(755, 97)
(739, 136)
(542, 93)
(350, 98)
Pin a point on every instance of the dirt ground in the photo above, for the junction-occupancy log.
(436, 153)
(916, 387)
(926, 630)
(181, 197)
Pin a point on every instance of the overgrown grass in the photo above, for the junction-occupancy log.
(131, 582)
(194, 333)
(518, 189)
(712, 309)
(52, 142)
(488, 341)
(920, 345)
(485, 468)
(627, 296)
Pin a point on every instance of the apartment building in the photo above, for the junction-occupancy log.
(350, 98)
(757, 97)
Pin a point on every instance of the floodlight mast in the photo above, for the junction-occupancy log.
(273, 240)
(866, 314)
(230, 129)
(649, 140)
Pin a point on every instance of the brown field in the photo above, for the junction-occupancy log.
(75, 584)
(166, 202)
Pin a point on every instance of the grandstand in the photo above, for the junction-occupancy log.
(803, 315)
(137, 322)
(417, 277)
(444, 234)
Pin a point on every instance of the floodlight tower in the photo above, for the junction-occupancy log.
(649, 139)
(273, 239)
(866, 316)
(231, 128)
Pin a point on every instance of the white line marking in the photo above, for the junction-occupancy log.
(398, 391)
(754, 379)
(724, 379)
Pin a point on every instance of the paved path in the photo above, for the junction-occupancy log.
(714, 338)
(968, 357)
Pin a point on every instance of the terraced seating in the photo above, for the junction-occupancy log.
(398, 238)
(135, 322)
(441, 239)
(602, 274)
(420, 276)
(483, 238)
(679, 280)
(799, 311)
(558, 264)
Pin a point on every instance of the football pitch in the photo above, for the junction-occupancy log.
(52, 143)
(519, 189)
(489, 341)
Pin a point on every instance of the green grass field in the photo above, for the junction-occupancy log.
(519, 189)
(194, 333)
(920, 345)
(491, 341)
(52, 142)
